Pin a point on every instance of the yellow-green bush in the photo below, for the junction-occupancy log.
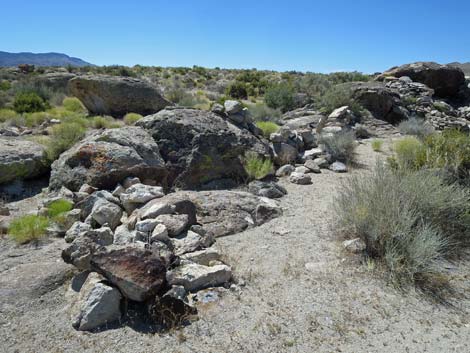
(28, 228)
(377, 145)
(103, 122)
(63, 136)
(132, 118)
(73, 104)
(268, 127)
(7, 114)
(257, 167)
(410, 153)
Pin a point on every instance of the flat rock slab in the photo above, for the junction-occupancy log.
(138, 273)
(194, 277)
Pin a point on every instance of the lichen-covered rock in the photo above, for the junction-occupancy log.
(117, 96)
(200, 147)
(21, 159)
(138, 273)
(105, 158)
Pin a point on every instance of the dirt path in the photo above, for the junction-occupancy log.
(303, 293)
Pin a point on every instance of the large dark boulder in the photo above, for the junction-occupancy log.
(21, 159)
(446, 80)
(117, 96)
(200, 148)
(105, 158)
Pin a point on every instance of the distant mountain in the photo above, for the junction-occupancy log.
(40, 59)
(464, 66)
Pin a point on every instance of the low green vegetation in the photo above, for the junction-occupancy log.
(28, 228)
(63, 136)
(257, 167)
(131, 118)
(336, 97)
(268, 127)
(58, 207)
(416, 127)
(377, 145)
(29, 102)
(73, 104)
(261, 112)
(280, 96)
(341, 146)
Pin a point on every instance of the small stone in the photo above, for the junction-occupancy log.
(75, 230)
(312, 166)
(122, 235)
(355, 246)
(194, 277)
(285, 170)
(302, 170)
(139, 194)
(312, 154)
(321, 162)
(338, 167)
(118, 190)
(301, 179)
(146, 225)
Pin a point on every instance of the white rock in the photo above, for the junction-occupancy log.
(146, 225)
(339, 167)
(285, 170)
(156, 209)
(232, 107)
(139, 194)
(312, 153)
(189, 243)
(202, 257)
(75, 230)
(302, 170)
(354, 245)
(194, 277)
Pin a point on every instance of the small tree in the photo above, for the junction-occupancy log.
(280, 96)
(29, 102)
(237, 90)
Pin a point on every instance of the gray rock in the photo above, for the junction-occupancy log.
(75, 230)
(339, 167)
(139, 194)
(200, 147)
(265, 212)
(117, 96)
(194, 277)
(217, 109)
(189, 242)
(98, 305)
(155, 209)
(202, 257)
(271, 190)
(301, 179)
(122, 235)
(21, 159)
(118, 190)
(232, 107)
(284, 153)
(104, 158)
(105, 212)
(355, 246)
(312, 166)
(302, 170)
(175, 224)
(129, 181)
(285, 170)
(160, 233)
(88, 189)
(321, 162)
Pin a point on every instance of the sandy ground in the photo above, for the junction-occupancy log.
(302, 293)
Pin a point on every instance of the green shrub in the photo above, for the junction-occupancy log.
(73, 104)
(257, 167)
(63, 136)
(131, 118)
(377, 145)
(261, 112)
(410, 153)
(268, 127)
(7, 114)
(416, 127)
(28, 228)
(336, 97)
(29, 103)
(103, 122)
(35, 119)
(58, 207)
(410, 222)
(280, 96)
(341, 146)
(237, 90)
(5, 85)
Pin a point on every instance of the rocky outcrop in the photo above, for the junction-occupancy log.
(201, 149)
(56, 81)
(445, 80)
(21, 159)
(105, 158)
(117, 96)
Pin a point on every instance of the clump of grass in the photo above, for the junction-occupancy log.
(416, 127)
(268, 127)
(411, 222)
(63, 136)
(131, 118)
(73, 104)
(410, 153)
(341, 146)
(7, 114)
(261, 112)
(103, 122)
(28, 229)
(377, 145)
(257, 167)
(58, 207)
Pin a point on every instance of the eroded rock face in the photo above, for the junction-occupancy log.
(444, 79)
(117, 96)
(20, 159)
(105, 158)
(201, 147)
(138, 273)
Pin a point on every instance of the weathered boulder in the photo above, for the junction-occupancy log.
(284, 153)
(338, 167)
(444, 79)
(314, 168)
(270, 190)
(139, 194)
(175, 224)
(105, 158)
(285, 170)
(300, 178)
(117, 96)
(194, 277)
(105, 212)
(187, 243)
(97, 304)
(200, 147)
(21, 159)
(138, 273)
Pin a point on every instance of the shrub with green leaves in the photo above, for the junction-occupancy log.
(132, 118)
(28, 228)
(7, 114)
(377, 145)
(29, 103)
(257, 167)
(73, 104)
(341, 146)
(237, 90)
(63, 136)
(103, 122)
(336, 97)
(58, 207)
(261, 112)
(5, 85)
(410, 222)
(410, 153)
(280, 96)
(416, 127)
(268, 127)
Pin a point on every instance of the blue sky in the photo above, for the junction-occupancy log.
(319, 36)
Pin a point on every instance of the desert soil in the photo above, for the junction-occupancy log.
(299, 292)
